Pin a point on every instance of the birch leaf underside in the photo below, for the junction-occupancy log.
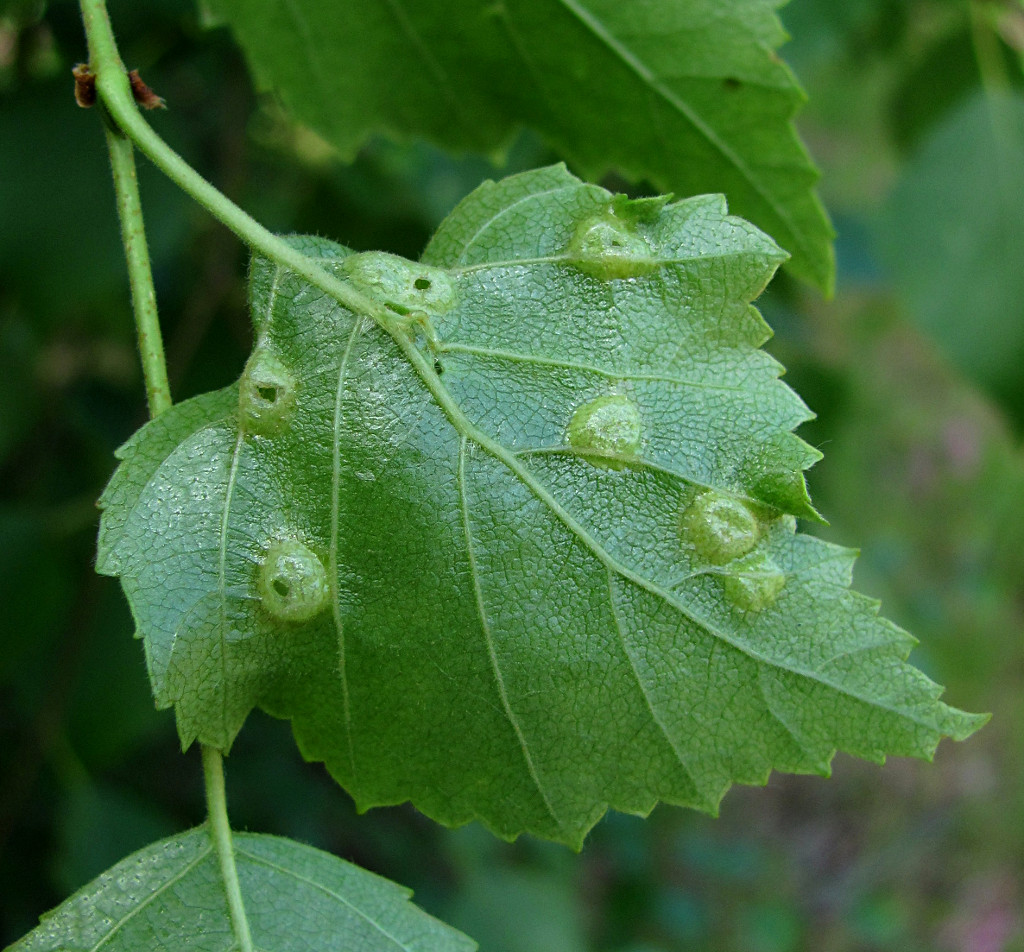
(525, 549)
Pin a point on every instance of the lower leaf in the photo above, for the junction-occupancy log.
(298, 899)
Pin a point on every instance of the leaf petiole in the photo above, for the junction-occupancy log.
(220, 833)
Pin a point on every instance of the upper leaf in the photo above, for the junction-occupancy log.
(524, 547)
(688, 95)
(170, 895)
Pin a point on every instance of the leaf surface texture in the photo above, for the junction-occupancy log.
(686, 94)
(524, 547)
(169, 896)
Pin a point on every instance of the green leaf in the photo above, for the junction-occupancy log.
(524, 547)
(298, 899)
(689, 96)
(953, 234)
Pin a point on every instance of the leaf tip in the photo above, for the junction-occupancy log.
(967, 724)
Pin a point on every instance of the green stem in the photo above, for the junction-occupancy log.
(129, 209)
(220, 832)
(114, 91)
(140, 276)
(112, 83)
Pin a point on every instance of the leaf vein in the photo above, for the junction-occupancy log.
(488, 638)
(401, 15)
(777, 716)
(222, 580)
(333, 555)
(207, 849)
(640, 684)
(505, 209)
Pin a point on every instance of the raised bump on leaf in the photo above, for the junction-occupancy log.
(721, 528)
(607, 426)
(514, 621)
(753, 584)
(404, 286)
(266, 396)
(293, 582)
(606, 247)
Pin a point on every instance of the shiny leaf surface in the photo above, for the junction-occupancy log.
(524, 547)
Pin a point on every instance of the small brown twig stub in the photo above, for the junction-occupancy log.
(85, 85)
(85, 89)
(144, 96)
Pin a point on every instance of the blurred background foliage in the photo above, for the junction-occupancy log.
(916, 116)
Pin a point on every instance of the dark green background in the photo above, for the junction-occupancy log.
(917, 118)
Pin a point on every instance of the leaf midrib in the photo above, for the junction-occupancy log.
(469, 431)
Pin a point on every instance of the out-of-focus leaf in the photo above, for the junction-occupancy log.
(946, 73)
(22, 11)
(925, 468)
(525, 548)
(19, 397)
(690, 97)
(822, 29)
(939, 80)
(953, 236)
(170, 896)
(111, 709)
(770, 927)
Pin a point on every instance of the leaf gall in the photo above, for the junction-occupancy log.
(607, 248)
(754, 584)
(293, 582)
(266, 396)
(608, 426)
(403, 286)
(721, 528)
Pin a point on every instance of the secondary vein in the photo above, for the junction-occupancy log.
(335, 521)
(489, 639)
